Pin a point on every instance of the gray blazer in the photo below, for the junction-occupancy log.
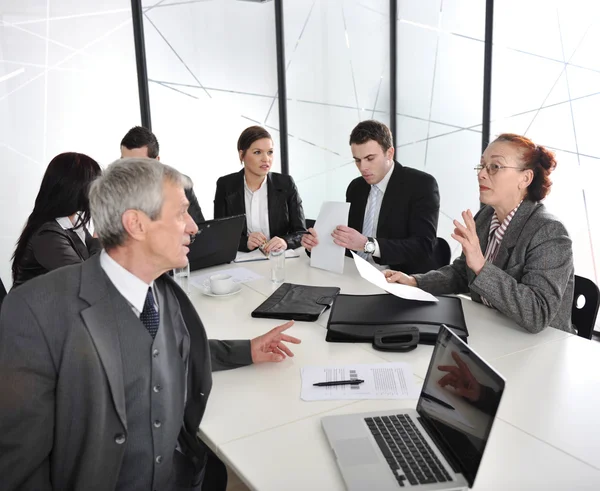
(531, 280)
(62, 403)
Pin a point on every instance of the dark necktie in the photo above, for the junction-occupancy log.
(149, 315)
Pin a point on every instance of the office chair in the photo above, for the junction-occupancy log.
(441, 253)
(584, 318)
(2, 292)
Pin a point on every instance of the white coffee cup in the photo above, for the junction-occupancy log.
(220, 284)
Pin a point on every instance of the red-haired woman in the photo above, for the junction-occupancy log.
(517, 258)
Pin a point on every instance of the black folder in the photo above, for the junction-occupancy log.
(355, 318)
(297, 302)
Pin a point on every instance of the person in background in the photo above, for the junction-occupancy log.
(393, 209)
(56, 232)
(141, 142)
(105, 367)
(516, 257)
(273, 208)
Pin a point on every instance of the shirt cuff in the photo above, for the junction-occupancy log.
(377, 252)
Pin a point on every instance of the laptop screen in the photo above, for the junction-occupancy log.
(459, 400)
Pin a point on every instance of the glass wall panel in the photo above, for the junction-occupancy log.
(440, 94)
(212, 71)
(337, 59)
(67, 83)
(546, 85)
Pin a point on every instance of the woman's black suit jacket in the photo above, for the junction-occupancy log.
(52, 247)
(286, 216)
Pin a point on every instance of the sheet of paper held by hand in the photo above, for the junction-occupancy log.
(328, 255)
(374, 276)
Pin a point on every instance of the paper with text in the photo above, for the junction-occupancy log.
(257, 255)
(327, 255)
(381, 381)
(374, 276)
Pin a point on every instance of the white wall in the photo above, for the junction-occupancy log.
(67, 83)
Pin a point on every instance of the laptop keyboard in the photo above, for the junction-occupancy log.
(407, 453)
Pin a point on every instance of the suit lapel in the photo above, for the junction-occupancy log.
(361, 206)
(236, 204)
(391, 194)
(513, 232)
(101, 320)
(78, 245)
(276, 203)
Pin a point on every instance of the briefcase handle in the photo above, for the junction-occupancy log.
(396, 338)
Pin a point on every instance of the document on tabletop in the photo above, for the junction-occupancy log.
(328, 255)
(239, 275)
(374, 276)
(257, 255)
(381, 381)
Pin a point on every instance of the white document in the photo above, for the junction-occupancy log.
(328, 255)
(257, 255)
(381, 381)
(239, 275)
(374, 276)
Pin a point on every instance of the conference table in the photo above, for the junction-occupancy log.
(547, 431)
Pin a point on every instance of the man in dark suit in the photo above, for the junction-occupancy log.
(141, 142)
(105, 368)
(393, 209)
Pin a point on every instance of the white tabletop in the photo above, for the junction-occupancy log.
(543, 437)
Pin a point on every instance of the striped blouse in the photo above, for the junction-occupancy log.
(497, 231)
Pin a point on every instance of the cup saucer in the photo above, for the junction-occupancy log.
(205, 289)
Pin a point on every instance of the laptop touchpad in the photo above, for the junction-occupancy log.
(356, 451)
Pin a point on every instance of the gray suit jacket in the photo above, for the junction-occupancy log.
(532, 278)
(62, 404)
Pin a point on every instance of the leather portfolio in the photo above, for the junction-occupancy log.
(297, 302)
(357, 318)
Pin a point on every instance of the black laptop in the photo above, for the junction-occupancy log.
(216, 242)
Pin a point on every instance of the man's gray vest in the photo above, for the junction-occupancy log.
(154, 377)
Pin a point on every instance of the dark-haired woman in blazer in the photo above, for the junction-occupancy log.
(56, 233)
(273, 208)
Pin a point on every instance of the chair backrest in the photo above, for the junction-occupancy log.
(310, 222)
(441, 253)
(2, 292)
(584, 318)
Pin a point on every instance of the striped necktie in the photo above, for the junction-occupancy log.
(369, 222)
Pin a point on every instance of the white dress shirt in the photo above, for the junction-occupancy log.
(257, 209)
(67, 224)
(127, 284)
(382, 186)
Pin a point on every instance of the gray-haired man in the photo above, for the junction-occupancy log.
(105, 369)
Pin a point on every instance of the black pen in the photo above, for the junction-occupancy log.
(339, 382)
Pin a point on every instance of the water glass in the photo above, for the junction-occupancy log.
(182, 277)
(277, 260)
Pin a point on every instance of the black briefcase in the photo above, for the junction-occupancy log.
(297, 302)
(363, 318)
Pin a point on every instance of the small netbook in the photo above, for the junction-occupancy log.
(438, 446)
(216, 242)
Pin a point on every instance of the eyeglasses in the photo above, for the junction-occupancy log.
(492, 169)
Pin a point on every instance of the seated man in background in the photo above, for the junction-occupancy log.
(105, 368)
(393, 209)
(141, 142)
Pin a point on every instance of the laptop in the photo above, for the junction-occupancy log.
(216, 242)
(439, 445)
